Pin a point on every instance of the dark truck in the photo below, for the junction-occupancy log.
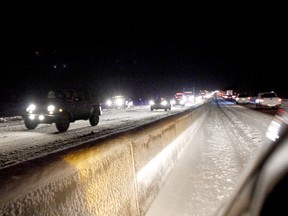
(63, 106)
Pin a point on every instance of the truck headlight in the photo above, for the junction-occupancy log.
(109, 102)
(31, 108)
(51, 108)
(119, 102)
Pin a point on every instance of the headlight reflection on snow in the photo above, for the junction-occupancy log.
(273, 131)
(162, 163)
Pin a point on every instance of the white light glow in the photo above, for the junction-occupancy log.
(41, 117)
(31, 108)
(32, 117)
(51, 108)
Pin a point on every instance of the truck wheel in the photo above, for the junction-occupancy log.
(30, 124)
(63, 123)
(94, 118)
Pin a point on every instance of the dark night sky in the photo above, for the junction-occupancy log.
(141, 53)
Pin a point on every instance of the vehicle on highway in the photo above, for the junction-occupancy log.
(268, 100)
(229, 95)
(203, 94)
(160, 102)
(263, 186)
(178, 100)
(119, 102)
(189, 97)
(63, 106)
(243, 98)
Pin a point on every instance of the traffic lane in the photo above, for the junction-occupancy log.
(271, 111)
(18, 144)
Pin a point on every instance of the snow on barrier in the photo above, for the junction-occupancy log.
(120, 174)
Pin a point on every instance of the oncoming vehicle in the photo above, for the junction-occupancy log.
(263, 186)
(242, 98)
(268, 100)
(178, 100)
(119, 102)
(160, 102)
(63, 106)
(188, 97)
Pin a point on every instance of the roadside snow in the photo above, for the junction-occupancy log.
(209, 170)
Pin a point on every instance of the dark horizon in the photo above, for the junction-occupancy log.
(142, 56)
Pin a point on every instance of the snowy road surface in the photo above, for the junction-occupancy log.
(209, 170)
(206, 174)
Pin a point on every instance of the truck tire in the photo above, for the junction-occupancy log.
(30, 124)
(93, 118)
(63, 123)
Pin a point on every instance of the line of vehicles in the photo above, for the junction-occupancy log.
(180, 99)
(159, 102)
(261, 190)
(119, 102)
(63, 106)
(263, 100)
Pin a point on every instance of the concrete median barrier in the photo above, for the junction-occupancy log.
(120, 174)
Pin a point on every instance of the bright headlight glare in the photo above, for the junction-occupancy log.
(31, 108)
(32, 117)
(119, 102)
(164, 103)
(51, 108)
(151, 102)
(109, 102)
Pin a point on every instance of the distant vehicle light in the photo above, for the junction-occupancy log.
(109, 102)
(164, 102)
(119, 102)
(129, 103)
(51, 108)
